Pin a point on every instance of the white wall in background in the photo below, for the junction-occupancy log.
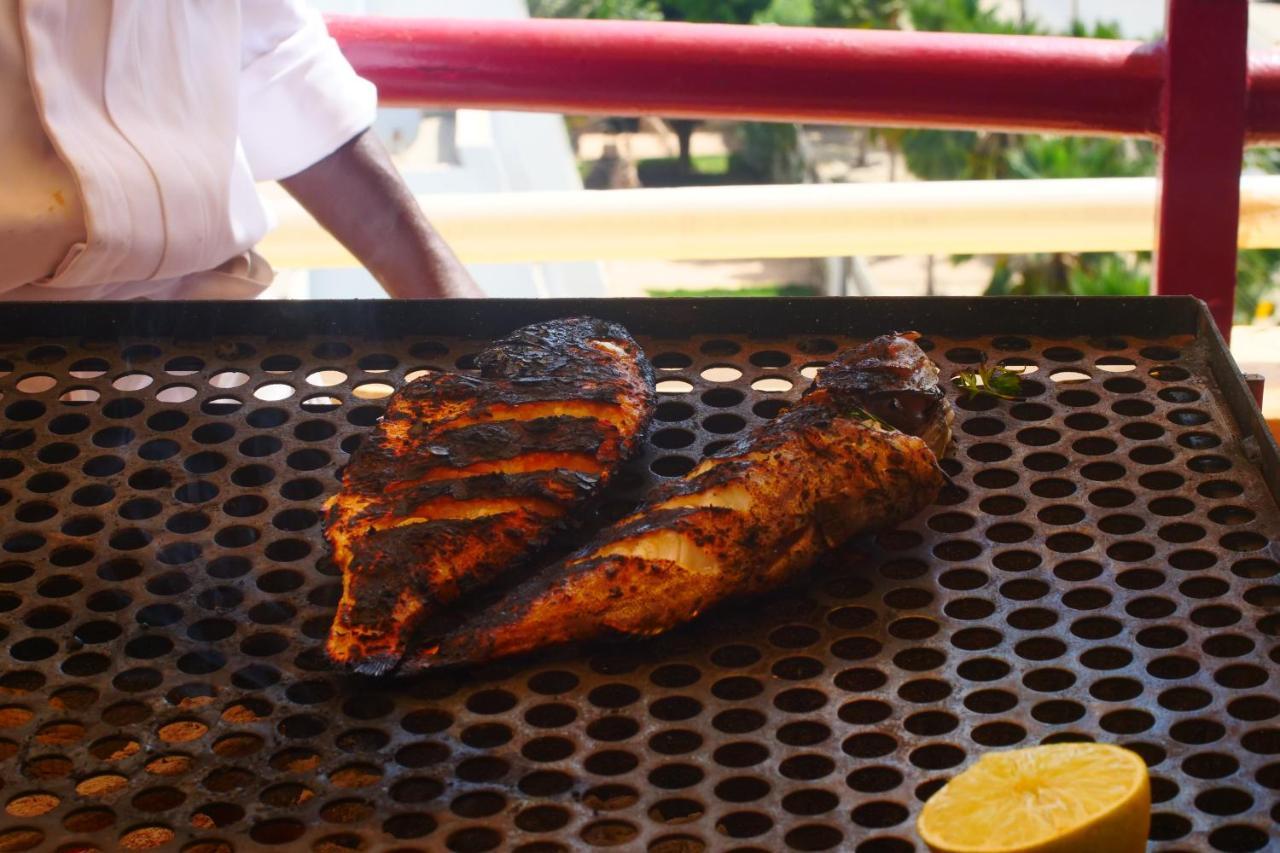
(465, 151)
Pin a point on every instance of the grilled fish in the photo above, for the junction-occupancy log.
(465, 476)
(857, 453)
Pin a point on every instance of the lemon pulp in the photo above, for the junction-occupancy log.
(1046, 798)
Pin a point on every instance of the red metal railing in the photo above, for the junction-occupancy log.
(1202, 111)
(765, 73)
(1191, 92)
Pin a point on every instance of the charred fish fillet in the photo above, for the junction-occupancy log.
(465, 475)
(856, 454)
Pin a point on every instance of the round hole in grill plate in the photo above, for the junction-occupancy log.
(924, 724)
(1124, 386)
(721, 373)
(998, 734)
(1197, 732)
(875, 779)
(672, 466)
(196, 492)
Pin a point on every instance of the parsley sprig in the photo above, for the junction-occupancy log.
(860, 414)
(993, 380)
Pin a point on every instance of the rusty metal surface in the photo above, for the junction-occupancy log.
(1101, 569)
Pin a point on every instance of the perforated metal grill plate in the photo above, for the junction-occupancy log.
(1101, 569)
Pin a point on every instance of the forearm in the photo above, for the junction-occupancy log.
(359, 197)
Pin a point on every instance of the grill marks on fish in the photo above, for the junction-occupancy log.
(413, 442)
(742, 522)
(465, 476)
(461, 447)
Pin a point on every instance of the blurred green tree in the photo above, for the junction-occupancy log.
(712, 11)
(961, 16)
(859, 14)
(1109, 274)
(698, 11)
(623, 9)
(1257, 270)
(771, 151)
(1256, 273)
(787, 13)
(984, 155)
(707, 12)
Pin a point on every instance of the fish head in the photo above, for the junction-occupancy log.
(892, 379)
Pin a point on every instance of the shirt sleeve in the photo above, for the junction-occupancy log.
(300, 99)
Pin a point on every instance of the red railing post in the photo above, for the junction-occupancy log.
(1203, 129)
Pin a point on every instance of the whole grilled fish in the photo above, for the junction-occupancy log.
(857, 453)
(465, 475)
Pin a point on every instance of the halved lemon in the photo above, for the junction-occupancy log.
(1063, 798)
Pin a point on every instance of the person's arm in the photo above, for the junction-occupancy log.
(359, 197)
(304, 121)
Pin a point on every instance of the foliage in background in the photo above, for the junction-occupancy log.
(712, 11)
(1257, 270)
(698, 11)
(1109, 274)
(787, 13)
(968, 155)
(961, 16)
(984, 155)
(1256, 273)
(859, 14)
(708, 12)
(708, 170)
(1079, 157)
(621, 9)
(957, 155)
(1082, 274)
(770, 151)
(788, 289)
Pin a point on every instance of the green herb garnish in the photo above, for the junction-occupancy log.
(859, 414)
(992, 380)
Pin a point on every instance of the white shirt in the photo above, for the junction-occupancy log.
(162, 116)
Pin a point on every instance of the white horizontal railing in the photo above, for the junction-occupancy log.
(789, 221)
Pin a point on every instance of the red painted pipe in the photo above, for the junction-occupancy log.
(1263, 114)
(754, 72)
(1203, 134)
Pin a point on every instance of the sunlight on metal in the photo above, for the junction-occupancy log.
(792, 221)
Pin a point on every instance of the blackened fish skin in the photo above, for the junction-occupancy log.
(465, 476)
(858, 453)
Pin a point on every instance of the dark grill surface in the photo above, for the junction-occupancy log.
(1100, 570)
